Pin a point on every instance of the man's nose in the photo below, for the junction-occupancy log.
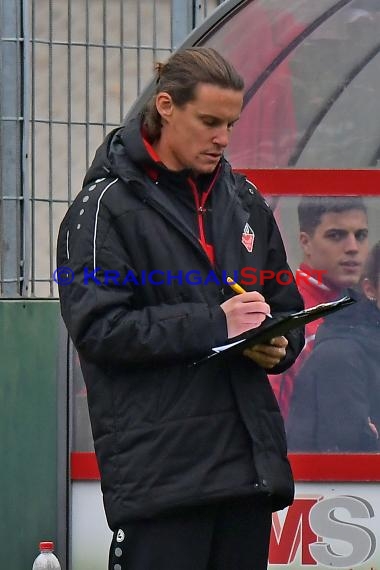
(352, 243)
(222, 137)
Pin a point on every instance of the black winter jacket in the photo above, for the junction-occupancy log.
(168, 434)
(338, 388)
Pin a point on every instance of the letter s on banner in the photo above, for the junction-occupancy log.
(325, 523)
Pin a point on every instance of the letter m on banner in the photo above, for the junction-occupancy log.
(295, 533)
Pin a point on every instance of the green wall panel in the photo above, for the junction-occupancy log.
(28, 429)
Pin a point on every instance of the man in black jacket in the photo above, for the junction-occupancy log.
(336, 400)
(192, 458)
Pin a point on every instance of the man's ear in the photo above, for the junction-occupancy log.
(305, 240)
(369, 290)
(164, 105)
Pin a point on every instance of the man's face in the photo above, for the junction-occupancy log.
(339, 246)
(194, 136)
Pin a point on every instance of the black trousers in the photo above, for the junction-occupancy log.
(232, 535)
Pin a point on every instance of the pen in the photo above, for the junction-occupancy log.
(239, 290)
(235, 287)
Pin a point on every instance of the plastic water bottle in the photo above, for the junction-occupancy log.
(46, 560)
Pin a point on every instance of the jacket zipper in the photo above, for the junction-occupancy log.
(200, 208)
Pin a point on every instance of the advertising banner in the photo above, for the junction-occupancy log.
(328, 526)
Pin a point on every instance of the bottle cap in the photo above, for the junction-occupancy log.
(46, 545)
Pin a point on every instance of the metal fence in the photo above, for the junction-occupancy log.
(69, 71)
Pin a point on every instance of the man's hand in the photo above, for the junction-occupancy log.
(244, 312)
(268, 355)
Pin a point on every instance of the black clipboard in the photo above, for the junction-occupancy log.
(277, 326)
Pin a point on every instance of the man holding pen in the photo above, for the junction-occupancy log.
(266, 355)
(192, 458)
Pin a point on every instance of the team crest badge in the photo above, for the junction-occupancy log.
(248, 238)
